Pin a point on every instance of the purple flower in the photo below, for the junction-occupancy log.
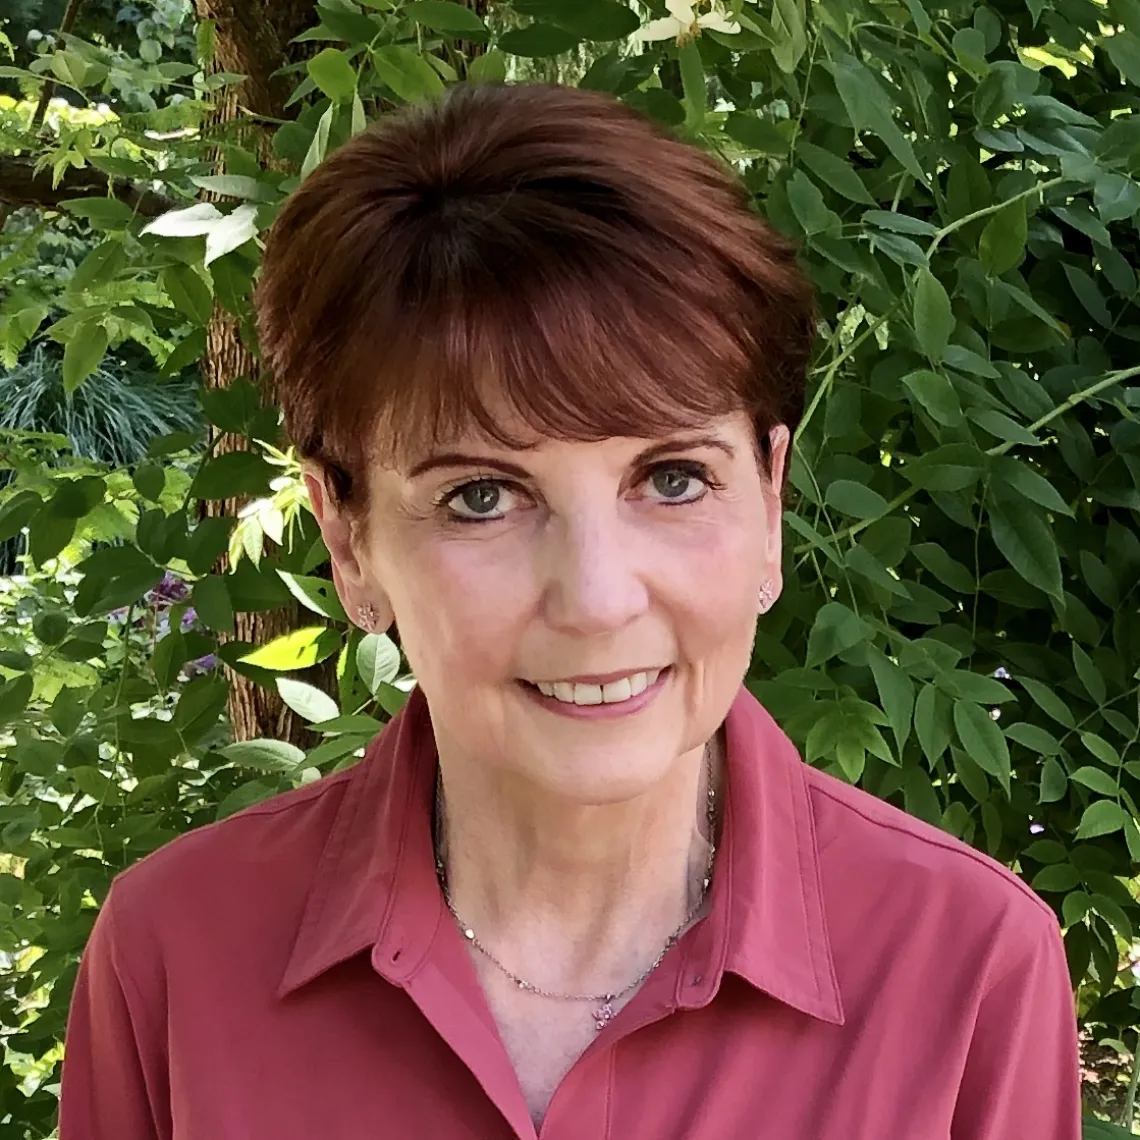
(201, 665)
(189, 617)
(170, 590)
(1036, 828)
(1002, 673)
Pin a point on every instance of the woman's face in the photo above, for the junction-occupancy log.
(578, 613)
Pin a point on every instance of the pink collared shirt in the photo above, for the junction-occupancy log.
(291, 973)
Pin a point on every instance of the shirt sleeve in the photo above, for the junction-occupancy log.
(114, 1070)
(1022, 1074)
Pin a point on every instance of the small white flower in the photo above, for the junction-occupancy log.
(683, 24)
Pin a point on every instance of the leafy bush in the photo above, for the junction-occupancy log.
(960, 628)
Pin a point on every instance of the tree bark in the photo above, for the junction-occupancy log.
(253, 39)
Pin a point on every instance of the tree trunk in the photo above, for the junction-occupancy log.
(253, 39)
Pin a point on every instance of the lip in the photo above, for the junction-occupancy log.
(599, 712)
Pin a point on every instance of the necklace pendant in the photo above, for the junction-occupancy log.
(604, 1014)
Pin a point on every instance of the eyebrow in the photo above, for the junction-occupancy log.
(453, 459)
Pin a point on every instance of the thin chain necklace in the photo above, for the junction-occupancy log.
(604, 1011)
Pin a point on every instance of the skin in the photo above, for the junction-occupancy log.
(573, 846)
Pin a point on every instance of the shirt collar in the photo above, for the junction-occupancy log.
(375, 888)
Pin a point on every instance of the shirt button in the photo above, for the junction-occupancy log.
(696, 979)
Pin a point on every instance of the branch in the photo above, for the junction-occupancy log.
(48, 89)
(21, 185)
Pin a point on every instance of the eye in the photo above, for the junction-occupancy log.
(479, 500)
(679, 483)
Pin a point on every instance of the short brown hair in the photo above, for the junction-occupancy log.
(542, 244)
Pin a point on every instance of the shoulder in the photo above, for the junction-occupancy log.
(267, 851)
(870, 849)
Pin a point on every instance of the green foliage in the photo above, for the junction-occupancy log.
(959, 630)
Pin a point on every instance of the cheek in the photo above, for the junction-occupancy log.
(460, 607)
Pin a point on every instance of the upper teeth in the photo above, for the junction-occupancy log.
(609, 694)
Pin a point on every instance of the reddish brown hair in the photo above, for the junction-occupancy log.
(543, 246)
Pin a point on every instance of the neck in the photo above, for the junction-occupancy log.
(571, 896)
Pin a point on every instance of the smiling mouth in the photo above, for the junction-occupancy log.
(613, 692)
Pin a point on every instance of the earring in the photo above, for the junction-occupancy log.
(767, 596)
(367, 615)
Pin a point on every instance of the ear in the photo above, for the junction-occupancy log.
(354, 585)
(779, 446)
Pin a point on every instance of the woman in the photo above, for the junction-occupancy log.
(543, 364)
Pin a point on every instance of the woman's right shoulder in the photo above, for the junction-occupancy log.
(266, 851)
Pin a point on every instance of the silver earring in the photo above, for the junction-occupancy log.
(767, 596)
(367, 615)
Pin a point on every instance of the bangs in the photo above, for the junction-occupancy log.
(520, 345)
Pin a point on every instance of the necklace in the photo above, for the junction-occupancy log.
(604, 1011)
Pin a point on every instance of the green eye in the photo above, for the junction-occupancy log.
(481, 499)
(679, 483)
(672, 484)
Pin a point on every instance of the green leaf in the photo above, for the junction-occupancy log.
(1048, 701)
(855, 499)
(1097, 779)
(445, 16)
(297, 649)
(316, 594)
(896, 692)
(808, 205)
(1102, 750)
(967, 686)
(188, 293)
(14, 697)
(331, 71)
(835, 629)
(1026, 540)
(210, 598)
(101, 213)
(869, 106)
(377, 661)
(789, 33)
(84, 350)
(1046, 851)
(755, 133)
(933, 316)
(692, 83)
(1101, 818)
(407, 73)
(264, 755)
(1001, 426)
(1002, 244)
(538, 41)
(1088, 293)
(936, 393)
(1057, 878)
(235, 473)
(1124, 51)
(318, 148)
(983, 740)
(931, 725)
(100, 266)
(1017, 475)
(1054, 781)
(1089, 674)
(307, 701)
(598, 20)
(1033, 737)
(1116, 197)
(834, 171)
(490, 67)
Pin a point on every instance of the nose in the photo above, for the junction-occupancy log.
(596, 581)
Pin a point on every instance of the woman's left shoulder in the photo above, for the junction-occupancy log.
(862, 840)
